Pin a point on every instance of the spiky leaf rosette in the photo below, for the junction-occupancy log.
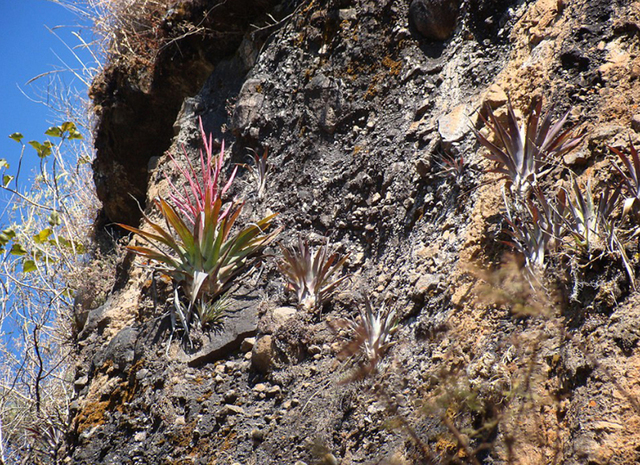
(520, 152)
(309, 275)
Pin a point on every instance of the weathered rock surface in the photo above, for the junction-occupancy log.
(358, 115)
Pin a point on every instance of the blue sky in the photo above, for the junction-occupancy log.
(28, 49)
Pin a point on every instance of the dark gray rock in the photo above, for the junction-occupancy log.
(248, 107)
(121, 350)
(434, 19)
(95, 319)
(237, 326)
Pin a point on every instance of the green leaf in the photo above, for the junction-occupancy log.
(68, 126)
(53, 131)
(83, 160)
(6, 236)
(42, 236)
(54, 219)
(6, 179)
(18, 249)
(43, 150)
(74, 134)
(29, 266)
(3, 163)
(16, 136)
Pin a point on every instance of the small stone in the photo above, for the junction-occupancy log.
(81, 382)
(260, 387)
(274, 319)
(455, 125)
(495, 96)
(247, 344)
(230, 396)
(257, 435)
(180, 421)
(262, 354)
(347, 14)
(635, 123)
(219, 379)
(140, 436)
(281, 314)
(314, 350)
(228, 410)
(229, 366)
(275, 391)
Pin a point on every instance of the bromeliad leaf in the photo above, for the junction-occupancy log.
(631, 177)
(311, 276)
(200, 191)
(206, 257)
(521, 152)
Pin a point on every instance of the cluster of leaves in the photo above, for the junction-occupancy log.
(539, 224)
(372, 337)
(45, 243)
(311, 276)
(37, 248)
(198, 246)
(259, 172)
(521, 151)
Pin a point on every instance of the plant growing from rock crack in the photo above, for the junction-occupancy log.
(309, 275)
(530, 238)
(631, 180)
(537, 229)
(260, 172)
(592, 224)
(453, 167)
(590, 220)
(521, 151)
(201, 252)
(372, 333)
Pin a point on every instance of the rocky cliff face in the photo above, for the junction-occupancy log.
(358, 111)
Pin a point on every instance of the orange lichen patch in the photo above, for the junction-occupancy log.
(205, 396)
(183, 436)
(92, 415)
(357, 149)
(445, 444)
(229, 441)
(373, 88)
(392, 65)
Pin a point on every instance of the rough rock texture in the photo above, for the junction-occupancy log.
(357, 113)
(434, 19)
(137, 101)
